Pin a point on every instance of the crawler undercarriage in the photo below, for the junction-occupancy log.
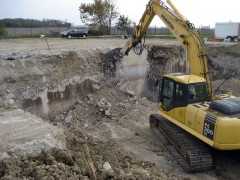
(192, 154)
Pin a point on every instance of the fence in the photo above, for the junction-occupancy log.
(34, 31)
(114, 31)
(205, 30)
(150, 30)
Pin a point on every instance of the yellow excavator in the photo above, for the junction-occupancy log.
(190, 117)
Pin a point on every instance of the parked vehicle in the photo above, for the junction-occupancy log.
(228, 30)
(74, 32)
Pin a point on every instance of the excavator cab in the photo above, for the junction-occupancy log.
(181, 90)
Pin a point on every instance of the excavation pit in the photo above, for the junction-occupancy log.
(50, 85)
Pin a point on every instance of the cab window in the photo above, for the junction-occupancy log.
(179, 92)
(167, 95)
(196, 91)
(168, 88)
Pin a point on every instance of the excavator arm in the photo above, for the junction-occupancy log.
(183, 31)
(141, 28)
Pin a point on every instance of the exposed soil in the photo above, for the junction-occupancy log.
(105, 122)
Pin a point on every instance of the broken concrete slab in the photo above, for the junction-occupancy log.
(26, 134)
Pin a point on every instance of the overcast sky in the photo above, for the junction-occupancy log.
(199, 12)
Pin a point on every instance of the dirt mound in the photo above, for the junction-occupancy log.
(224, 61)
(118, 133)
(85, 158)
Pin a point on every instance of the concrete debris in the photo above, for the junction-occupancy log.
(123, 88)
(130, 93)
(89, 98)
(11, 101)
(34, 134)
(110, 61)
(134, 98)
(68, 119)
(107, 167)
(11, 58)
(104, 106)
(121, 105)
(95, 87)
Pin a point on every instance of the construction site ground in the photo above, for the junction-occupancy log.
(76, 109)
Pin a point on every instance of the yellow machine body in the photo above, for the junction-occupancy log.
(214, 120)
(213, 127)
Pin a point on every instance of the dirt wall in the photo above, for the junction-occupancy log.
(49, 83)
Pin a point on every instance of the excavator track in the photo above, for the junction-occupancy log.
(190, 153)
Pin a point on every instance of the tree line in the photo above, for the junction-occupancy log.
(19, 22)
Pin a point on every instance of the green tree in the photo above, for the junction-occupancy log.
(3, 32)
(125, 24)
(99, 14)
